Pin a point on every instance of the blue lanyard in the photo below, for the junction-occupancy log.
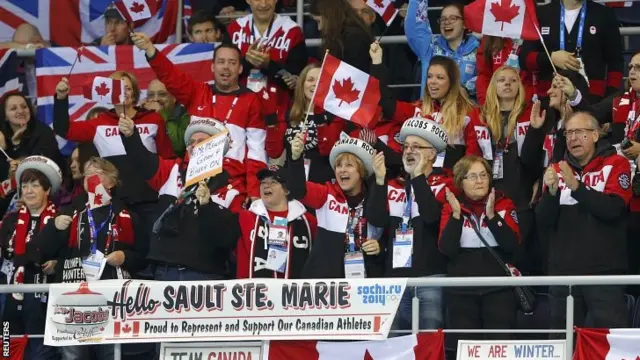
(406, 215)
(583, 15)
(93, 231)
(354, 220)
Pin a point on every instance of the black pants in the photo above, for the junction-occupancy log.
(605, 304)
(633, 249)
(493, 310)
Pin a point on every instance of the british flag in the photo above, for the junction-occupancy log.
(52, 64)
(8, 71)
(79, 21)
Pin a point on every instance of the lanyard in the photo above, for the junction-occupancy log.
(256, 33)
(233, 104)
(93, 231)
(406, 215)
(632, 121)
(355, 220)
(583, 15)
(515, 45)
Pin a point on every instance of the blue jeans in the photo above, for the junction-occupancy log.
(82, 352)
(431, 308)
(168, 272)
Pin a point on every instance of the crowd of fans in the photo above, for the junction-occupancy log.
(509, 159)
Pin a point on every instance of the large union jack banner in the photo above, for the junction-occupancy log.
(52, 64)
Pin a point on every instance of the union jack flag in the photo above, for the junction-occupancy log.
(52, 64)
(8, 71)
(75, 22)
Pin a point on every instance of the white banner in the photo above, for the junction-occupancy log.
(119, 311)
(210, 351)
(512, 350)
(206, 159)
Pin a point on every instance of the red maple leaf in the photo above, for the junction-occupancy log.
(504, 11)
(367, 355)
(97, 200)
(126, 328)
(345, 91)
(102, 89)
(379, 3)
(137, 8)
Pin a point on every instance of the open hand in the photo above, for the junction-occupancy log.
(490, 210)
(454, 203)
(379, 168)
(567, 175)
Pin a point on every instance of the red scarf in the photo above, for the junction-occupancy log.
(477, 207)
(19, 239)
(621, 109)
(122, 230)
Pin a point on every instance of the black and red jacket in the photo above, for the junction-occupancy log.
(104, 133)
(253, 244)
(465, 251)
(601, 48)
(387, 206)
(485, 71)
(587, 228)
(245, 122)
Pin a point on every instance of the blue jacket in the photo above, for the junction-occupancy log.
(427, 45)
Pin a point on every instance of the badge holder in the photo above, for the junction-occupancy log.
(403, 249)
(278, 250)
(354, 262)
(440, 159)
(93, 265)
(498, 165)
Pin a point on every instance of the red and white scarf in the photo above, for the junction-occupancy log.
(623, 113)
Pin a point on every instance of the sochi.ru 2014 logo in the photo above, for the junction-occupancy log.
(80, 315)
(379, 294)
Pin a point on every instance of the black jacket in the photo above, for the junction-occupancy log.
(355, 47)
(386, 207)
(186, 234)
(601, 47)
(587, 227)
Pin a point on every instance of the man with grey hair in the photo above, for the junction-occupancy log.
(583, 209)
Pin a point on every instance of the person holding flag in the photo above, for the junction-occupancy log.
(444, 102)
(346, 245)
(409, 208)
(453, 42)
(581, 36)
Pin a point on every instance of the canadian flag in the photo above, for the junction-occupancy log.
(136, 11)
(104, 91)
(515, 19)
(425, 346)
(348, 92)
(385, 8)
(98, 194)
(126, 330)
(607, 344)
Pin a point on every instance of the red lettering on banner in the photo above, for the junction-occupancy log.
(230, 355)
(498, 351)
(474, 351)
(593, 179)
(340, 208)
(482, 134)
(398, 196)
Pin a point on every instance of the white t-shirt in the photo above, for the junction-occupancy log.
(570, 17)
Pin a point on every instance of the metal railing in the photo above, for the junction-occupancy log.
(569, 281)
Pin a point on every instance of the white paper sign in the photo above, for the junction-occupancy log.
(206, 159)
(512, 350)
(210, 350)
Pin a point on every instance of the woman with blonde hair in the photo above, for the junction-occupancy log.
(280, 135)
(443, 101)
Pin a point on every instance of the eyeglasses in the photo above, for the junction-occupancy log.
(634, 67)
(414, 147)
(576, 132)
(474, 177)
(449, 20)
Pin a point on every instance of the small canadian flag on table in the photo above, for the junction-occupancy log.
(135, 11)
(125, 329)
(385, 8)
(104, 90)
(515, 19)
(348, 92)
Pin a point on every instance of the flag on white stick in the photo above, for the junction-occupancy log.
(136, 11)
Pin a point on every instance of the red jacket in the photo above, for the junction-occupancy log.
(485, 71)
(241, 111)
(252, 249)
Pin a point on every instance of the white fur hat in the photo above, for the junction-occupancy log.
(357, 147)
(46, 166)
(206, 125)
(425, 129)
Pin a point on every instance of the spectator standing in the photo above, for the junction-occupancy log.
(444, 101)
(342, 31)
(277, 231)
(22, 235)
(22, 134)
(273, 49)
(72, 192)
(581, 36)
(116, 29)
(203, 28)
(238, 108)
(493, 53)
(346, 245)
(409, 209)
(175, 115)
(26, 36)
(584, 202)
(452, 42)
(479, 218)
(192, 236)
